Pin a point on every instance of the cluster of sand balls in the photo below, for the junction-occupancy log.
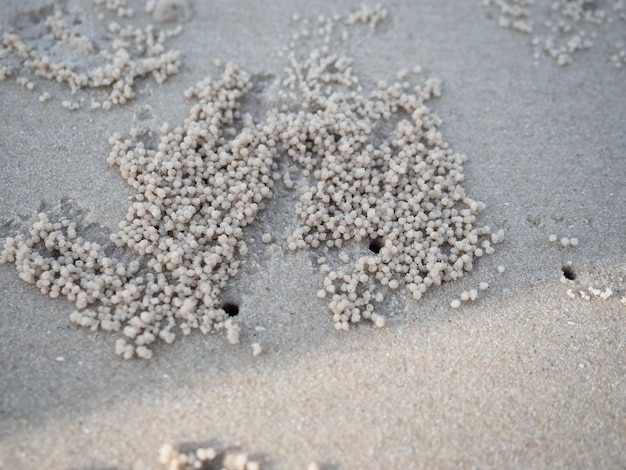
(208, 457)
(108, 294)
(61, 263)
(131, 53)
(380, 176)
(402, 195)
(561, 28)
(119, 7)
(195, 194)
(205, 457)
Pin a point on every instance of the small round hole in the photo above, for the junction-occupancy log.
(568, 272)
(231, 309)
(375, 246)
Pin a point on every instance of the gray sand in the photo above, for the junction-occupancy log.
(524, 377)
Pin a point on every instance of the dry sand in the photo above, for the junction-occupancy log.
(524, 377)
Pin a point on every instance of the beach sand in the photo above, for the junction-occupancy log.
(526, 376)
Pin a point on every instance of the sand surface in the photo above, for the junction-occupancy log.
(524, 377)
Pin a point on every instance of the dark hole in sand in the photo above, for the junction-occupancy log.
(231, 309)
(568, 272)
(375, 246)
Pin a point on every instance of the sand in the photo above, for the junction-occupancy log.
(524, 377)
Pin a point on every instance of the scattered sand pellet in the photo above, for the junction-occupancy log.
(57, 24)
(287, 180)
(143, 352)
(603, 294)
(23, 81)
(456, 303)
(119, 7)
(618, 57)
(256, 349)
(483, 286)
(590, 292)
(206, 453)
(606, 293)
(5, 72)
(266, 238)
(501, 269)
(71, 105)
(368, 15)
(564, 241)
(232, 331)
(497, 237)
(45, 96)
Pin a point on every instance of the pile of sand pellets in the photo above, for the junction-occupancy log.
(380, 175)
(66, 45)
(561, 28)
(172, 458)
(195, 457)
